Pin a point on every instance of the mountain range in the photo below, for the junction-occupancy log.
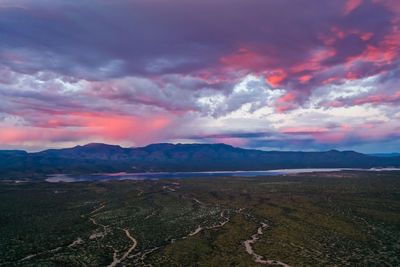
(385, 154)
(96, 157)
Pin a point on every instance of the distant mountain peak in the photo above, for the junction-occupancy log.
(334, 151)
(194, 146)
(95, 145)
(161, 145)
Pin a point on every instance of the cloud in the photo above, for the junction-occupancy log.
(351, 5)
(274, 74)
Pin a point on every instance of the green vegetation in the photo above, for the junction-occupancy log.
(341, 218)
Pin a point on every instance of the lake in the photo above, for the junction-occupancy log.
(159, 175)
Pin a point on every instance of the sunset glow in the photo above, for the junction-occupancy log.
(275, 75)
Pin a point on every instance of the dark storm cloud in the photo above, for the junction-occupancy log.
(101, 39)
(66, 64)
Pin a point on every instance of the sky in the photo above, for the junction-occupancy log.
(308, 75)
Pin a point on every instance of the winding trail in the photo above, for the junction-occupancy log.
(195, 232)
(96, 210)
(150, 215)
(126, 254)
(78, 241)
(199, 228)
(96, 235)
(197, 201)
(258, 258)
(96, 223)
(105, 227)
(40, 253)
(222, 223)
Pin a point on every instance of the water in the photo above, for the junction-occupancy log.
(159, 175)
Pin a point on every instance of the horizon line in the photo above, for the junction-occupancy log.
(178, 143)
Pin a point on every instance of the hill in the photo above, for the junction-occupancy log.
(98, 157)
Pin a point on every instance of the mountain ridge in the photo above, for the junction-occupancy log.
(98, 157)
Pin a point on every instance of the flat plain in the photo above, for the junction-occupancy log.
(315, 219)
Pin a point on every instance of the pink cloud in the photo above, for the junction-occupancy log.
(392, 5)
(286, 98)
(351, 5)
(314, 62)
(346, 127)
(330, 138)
(366, 36)
(295, 46)
(77, 126)
(374, 99)
(285, 102)
(383, 53)
(21, 135)
(304, 130)
(275, 77)
(244, 59)
(305, 78)
(337, 104)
